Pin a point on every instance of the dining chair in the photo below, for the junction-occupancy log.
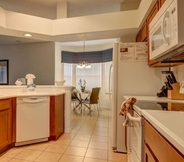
(93, 99)
(99, 99)
(74, 98)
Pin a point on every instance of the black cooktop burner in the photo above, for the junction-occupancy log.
(150, 105)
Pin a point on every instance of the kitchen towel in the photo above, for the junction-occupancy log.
(125, 108)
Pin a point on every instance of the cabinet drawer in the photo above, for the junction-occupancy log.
(5, 104)
(163, 151)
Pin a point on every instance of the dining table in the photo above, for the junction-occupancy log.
(81, 96)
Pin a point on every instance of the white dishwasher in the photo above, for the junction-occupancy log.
(32, 120)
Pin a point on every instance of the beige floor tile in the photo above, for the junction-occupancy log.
(85, 131)
(56, 148)
(74, 130)
(38, 147)
(48, 157)
(13, 152)
(18, 160)
(28, 155)
(78, 151)
(96, 154)
(99, 138)
(79, 143)
(101, 128)
(98, 145)
(100, 133)
(86, 128)
(4, 159)
(93, 160)
(71, 158)
(65, 142)
(67, 136)
(117, 157)
(82, 137)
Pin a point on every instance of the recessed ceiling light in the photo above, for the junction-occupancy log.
(27, 35)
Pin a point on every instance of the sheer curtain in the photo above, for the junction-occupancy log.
(68, 73)
(92, 76)
(106, 71)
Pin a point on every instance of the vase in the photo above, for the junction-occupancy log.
(82, 89)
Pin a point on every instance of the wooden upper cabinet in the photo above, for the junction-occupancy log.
(138, 37)
(5, 124)
(144, 33)
(161, 2)
(153, 13)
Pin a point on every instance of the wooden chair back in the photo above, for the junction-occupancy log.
(94, 95)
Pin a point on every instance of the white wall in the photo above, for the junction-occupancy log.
(35, 58)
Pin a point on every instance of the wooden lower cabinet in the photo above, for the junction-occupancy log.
(5, 124)
(148, 155)
(56, 116)
(157, 148)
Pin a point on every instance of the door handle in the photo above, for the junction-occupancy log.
(166, 39)
(133, 119)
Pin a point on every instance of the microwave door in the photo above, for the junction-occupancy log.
(157, 39)
(159, 36)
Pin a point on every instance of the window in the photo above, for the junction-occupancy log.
(92, 76)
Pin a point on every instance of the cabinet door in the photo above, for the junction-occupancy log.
(161, 2)
(148, 157)
(144, 33)
(56, 116)
(159, 147)
(59, 118)
(5, 124)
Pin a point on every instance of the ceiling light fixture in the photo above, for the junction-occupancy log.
(84, 64)
(27, 35)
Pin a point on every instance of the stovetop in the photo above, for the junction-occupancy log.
(153, 105)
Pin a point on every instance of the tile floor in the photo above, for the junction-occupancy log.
(88, 141)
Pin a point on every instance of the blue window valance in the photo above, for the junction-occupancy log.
(91, 57)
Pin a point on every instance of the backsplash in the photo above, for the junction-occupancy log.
(179, 72)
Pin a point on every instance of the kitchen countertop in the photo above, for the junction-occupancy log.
(169, 124)
(27, 94)
(8, 91)
(154, 98)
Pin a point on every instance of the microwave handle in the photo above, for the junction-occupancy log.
(162, 27)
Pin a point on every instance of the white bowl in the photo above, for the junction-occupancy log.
(60, 83)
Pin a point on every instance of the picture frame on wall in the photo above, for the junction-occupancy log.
(4, 72)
